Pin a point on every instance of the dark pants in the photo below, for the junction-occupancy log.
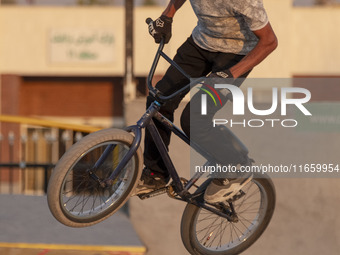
(196, 62)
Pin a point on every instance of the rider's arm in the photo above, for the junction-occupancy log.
(172, 7)
(267, 43)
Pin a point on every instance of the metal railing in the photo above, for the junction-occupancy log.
(29, 149)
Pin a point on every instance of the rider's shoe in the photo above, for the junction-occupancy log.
(150, 181)
(220, 190)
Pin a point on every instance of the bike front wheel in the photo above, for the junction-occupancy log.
(204, 232)
(76, 194)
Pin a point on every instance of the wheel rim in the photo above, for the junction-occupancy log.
(81, 197)
(215, 233)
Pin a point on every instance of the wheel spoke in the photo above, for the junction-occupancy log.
(222, 233)
(250, 205)
(208, 232)
(217, 234)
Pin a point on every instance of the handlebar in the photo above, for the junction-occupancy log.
(154, 91)
(148, 21)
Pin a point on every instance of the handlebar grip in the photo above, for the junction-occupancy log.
(148, 21)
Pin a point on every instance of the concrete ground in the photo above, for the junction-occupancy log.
(27, 228)
(42, 251)
(306, 220)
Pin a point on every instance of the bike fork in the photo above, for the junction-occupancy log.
(137, 132)
(134, 146)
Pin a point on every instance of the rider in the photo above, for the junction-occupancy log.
(231, 37)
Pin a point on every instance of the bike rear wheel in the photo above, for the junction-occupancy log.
(204, 232)
(76, 196)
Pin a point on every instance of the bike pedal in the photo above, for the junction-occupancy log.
(153, 193)
(237, 196)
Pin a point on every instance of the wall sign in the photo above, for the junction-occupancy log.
(95, 46)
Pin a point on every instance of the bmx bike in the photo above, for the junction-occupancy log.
(98, 174)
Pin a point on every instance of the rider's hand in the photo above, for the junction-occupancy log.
(161, 28)
(215, 78)
(221, 74)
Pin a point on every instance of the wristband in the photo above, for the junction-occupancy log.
(225, 74)
(166, 18)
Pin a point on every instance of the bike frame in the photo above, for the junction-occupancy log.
(146, 121)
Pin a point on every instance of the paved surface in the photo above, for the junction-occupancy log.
(306, 220)
(26, 223)
(44, 251)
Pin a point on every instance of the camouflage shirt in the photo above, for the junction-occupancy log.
(227, 25)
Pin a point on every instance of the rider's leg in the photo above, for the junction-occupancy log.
(204, 133)
(217, 141)
(194, 62)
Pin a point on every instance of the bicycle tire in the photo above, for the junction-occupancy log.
(208, 243)
(71, 188)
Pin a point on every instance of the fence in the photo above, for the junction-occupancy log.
(29, 149)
